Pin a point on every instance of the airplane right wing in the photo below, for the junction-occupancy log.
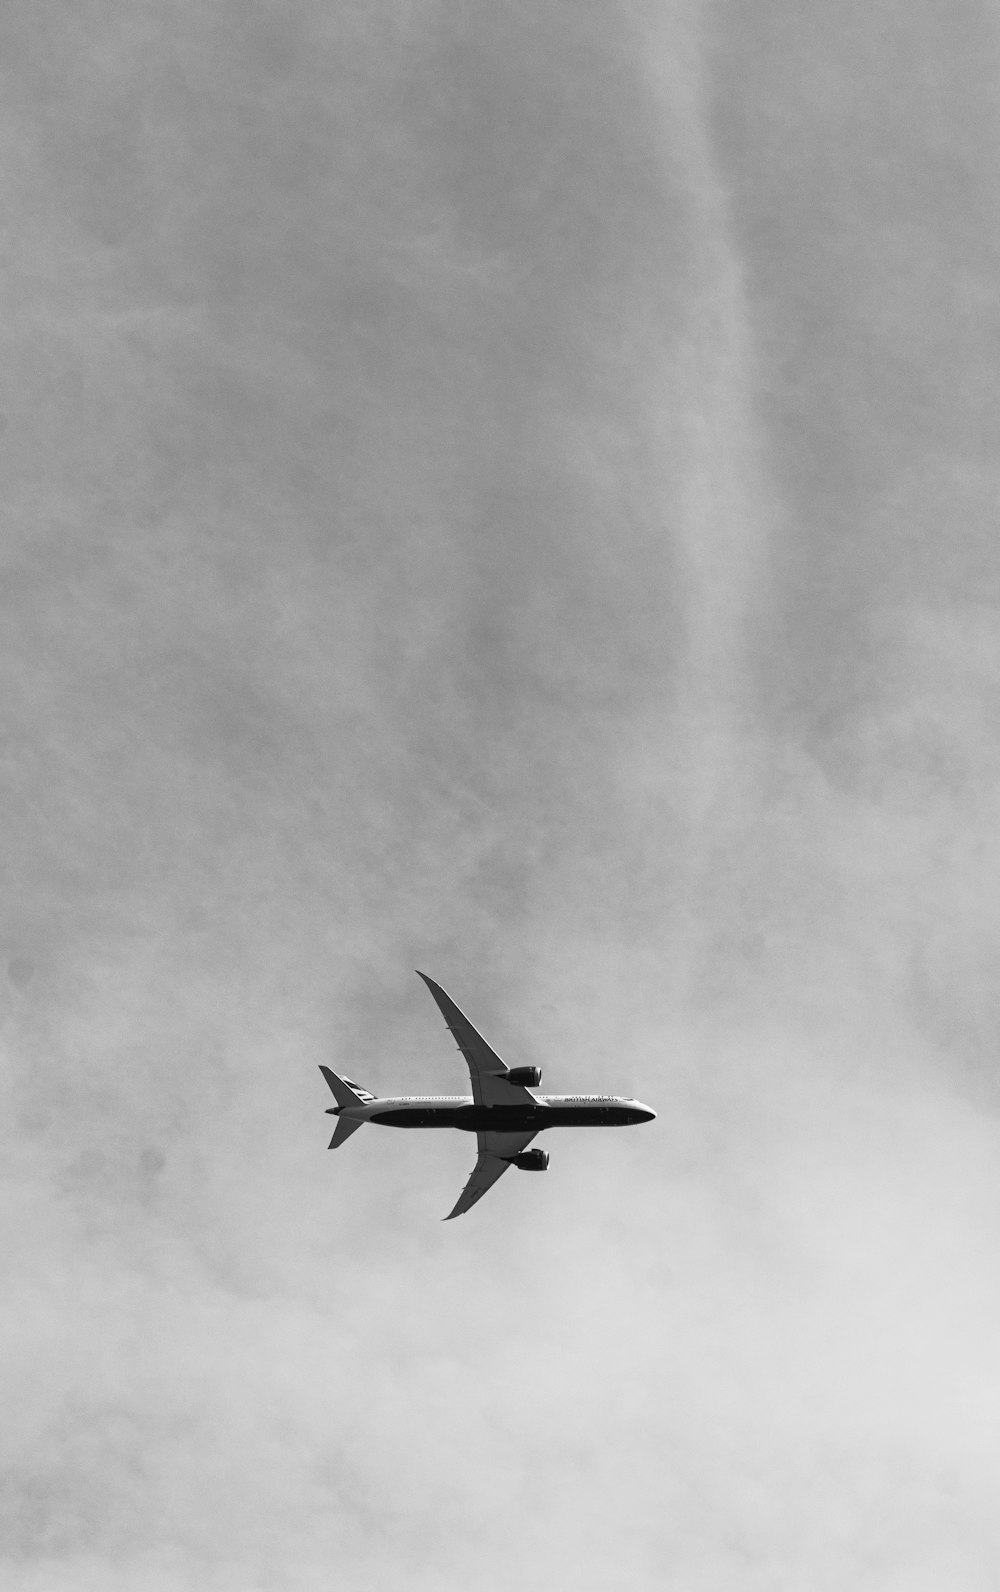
(495, 1152)
(490, 1084)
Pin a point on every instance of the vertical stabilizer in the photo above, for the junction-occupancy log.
(345, 1091)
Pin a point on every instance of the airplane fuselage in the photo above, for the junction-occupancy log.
(505, 1110)
(461, 1111)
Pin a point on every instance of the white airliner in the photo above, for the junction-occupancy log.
(503, 1110)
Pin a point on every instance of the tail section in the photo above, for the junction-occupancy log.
(345, 1127)
(346, 1092)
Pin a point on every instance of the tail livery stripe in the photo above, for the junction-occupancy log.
(346, 1092)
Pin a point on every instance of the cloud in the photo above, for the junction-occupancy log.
(502, 491)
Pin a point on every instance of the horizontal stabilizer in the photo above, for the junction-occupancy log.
(345, 1127)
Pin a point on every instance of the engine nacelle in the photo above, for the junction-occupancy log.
(530, 1077)
(531, 1161)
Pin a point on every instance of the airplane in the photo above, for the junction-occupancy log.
(502, 1110)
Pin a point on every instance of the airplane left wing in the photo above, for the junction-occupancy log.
(495, 1152)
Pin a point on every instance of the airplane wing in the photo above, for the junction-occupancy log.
(490, 1085)
(495, 1150)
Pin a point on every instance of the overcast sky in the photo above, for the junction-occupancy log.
(505, 487)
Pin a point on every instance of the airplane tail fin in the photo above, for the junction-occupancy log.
(345, 1127)
(347, 1092)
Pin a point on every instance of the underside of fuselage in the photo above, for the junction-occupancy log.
(509, 1119)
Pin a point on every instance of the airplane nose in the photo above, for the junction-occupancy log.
(648, 1115)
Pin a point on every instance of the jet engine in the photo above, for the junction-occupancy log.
(531, 1161)
(530, 1077)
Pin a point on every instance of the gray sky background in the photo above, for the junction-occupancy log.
(508, 489)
